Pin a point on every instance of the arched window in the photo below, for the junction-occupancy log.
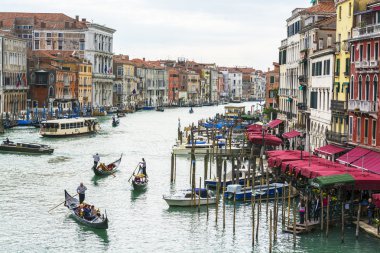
(360, 88)
(51, 91)
(367, 88)
(375, 87)
(352, 88)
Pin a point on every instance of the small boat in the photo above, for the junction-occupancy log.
(239, 192)
(148, 108)
(106, 170)
(160, 109)
(32, 148)
(140, 182)
(115, 122)
(98, 221)
(188, 198)
(191, 110)
(112, 109)
(121, 115)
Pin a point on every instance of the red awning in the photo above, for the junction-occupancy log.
(370, 161)
(274, 123)
(255, 128)
(291, 134)
(376, 199)
(330, 150)
(269, 139)
(366, 180)
(353, 155)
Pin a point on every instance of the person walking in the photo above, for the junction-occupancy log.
(370, 209)
(81, 190)
(96, 159)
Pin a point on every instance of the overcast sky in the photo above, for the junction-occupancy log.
(227, 32)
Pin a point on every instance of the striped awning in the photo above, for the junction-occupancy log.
(291, 134)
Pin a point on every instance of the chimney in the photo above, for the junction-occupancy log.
(144, 59)
(84, 20)
(77, 17)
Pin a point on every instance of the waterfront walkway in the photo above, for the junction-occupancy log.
(368, 228)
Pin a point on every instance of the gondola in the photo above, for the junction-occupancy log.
(110, 168)
(160, 109)
(191, 110)
(140, 182)
(115, 122)
(99, 221)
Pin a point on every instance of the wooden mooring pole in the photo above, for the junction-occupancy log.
(224, 189)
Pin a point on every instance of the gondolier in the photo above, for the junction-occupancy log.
(81, 190)
(96, 159)
(143, 167)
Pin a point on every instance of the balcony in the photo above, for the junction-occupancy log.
(374, 63)
(302, 107)
(289, 115)
(362, 106)
(341, 46)
(302, 79)
(338, 106)
(336, 137)
(368, 31)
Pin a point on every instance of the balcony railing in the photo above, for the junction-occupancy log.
(338, 106)
(362, 106)
(369, 30)
(336, 137)
(302, 79)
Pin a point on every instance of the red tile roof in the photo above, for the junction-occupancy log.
(325, 6)
(51, 20)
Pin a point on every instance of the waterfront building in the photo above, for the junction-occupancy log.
(258, 84)
(193, 87)
(247, 83)
(292, 67)
(272, 85)
(174, 84)
(182, 90)
(345, 10)
(13, 74)
(84, 84)
(220, 87)
(363, 95)
(233, 81)
(321, 75)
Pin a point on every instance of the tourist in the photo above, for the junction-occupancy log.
(81, 190)
(316, 208)
(370, 209)
(96, 159)
(301, 207)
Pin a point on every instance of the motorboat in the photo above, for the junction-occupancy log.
(186, 198)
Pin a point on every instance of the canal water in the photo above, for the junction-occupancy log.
(31, 185)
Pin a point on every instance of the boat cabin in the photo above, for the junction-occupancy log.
(69, 126)
(234, 111)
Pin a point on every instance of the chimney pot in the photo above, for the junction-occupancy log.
(84, 20)
(77, 17)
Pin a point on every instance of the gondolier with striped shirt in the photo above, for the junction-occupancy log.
(81, 190)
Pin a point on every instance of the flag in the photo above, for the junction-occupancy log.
(18, 83)
(24, 79)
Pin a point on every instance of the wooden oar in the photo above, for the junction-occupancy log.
(60, 204)
(133, 172)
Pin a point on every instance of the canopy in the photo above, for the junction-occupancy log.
(353, 155)
(274, 123)
(366, 180)
(291, 134)
(330, 150)
(333, 181)
(269, 139)
(370, 161)
(255, 128)
(376, 199)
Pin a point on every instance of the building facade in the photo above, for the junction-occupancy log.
(13, 74)
(272, 85)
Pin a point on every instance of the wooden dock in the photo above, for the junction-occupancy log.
(368, 228)
(301, 228)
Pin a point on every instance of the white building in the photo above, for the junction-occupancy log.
(258, 81)
(99, 51)
(13, 74)
(233, 83)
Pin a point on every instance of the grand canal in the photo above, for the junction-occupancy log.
(31, 185)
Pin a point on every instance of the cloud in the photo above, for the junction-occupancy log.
(230, 33)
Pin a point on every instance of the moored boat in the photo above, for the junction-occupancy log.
(106, 170)
(32, 148)
(121, 115)
(99, 221)
(69, 127)
(186, 198)
(140, 182)
(264, 191)
(160, 109)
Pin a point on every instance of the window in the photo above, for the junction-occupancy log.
(347, 71)
(60, 45)
(48, 35)
(271, 79)
(313, 99)
(374, 132)
(360, 88)
(349, 9)
(350, 127)
(337, 67)
(48, 42)
(326, 67)
(340, 12)
(36, 44)
(366, 131)
(320, 46)
(119, 71)
(375, 88)
(36, 35)
(358, 129)
(351, 88)
(352, 53)
(361, 53)
(376, 53)
(367, 88)
(60, 35)
(368, 52)
(81, 45)
(329, 40)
